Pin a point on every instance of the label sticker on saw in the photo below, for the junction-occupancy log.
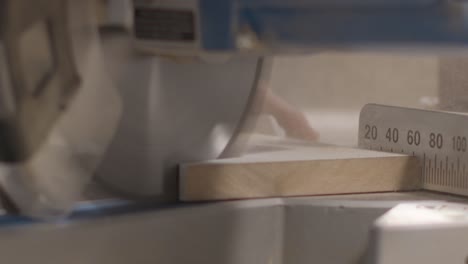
(438, 139)
(164, 24)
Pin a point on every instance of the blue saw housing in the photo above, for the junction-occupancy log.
(280, 25)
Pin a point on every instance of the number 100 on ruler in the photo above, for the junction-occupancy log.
(438, 139)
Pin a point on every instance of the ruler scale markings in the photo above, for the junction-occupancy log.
(451, 180)
(456, 183)
(429, 176)
(443, 179)
(446, 166)
(431, 167)
(464, 177)
(459, 184)
(442, 174)
(436, 175)
(453, 172)
(439, 173)
(431, 171)
(424, 169)
(454, 180)
(449, 173)
(431, 136)
(447, 176)
(424, 162)
(459, 179)
(439, 178)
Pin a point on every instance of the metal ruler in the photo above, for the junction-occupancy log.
(438, 139)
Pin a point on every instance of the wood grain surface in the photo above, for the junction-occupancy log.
(292, 169)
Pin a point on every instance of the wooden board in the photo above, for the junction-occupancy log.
(298, 171)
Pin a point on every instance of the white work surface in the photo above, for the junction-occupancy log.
(326, 229)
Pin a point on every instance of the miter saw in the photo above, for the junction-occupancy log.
(190, 75)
